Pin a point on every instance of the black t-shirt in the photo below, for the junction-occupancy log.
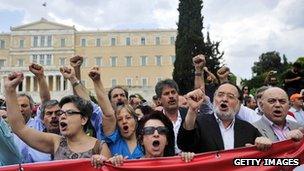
(290, 75)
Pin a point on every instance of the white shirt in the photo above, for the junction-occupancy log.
(176, 126)
(247, 114)
(227, 133)
(298, 114)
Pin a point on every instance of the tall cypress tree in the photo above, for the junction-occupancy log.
(190, 42)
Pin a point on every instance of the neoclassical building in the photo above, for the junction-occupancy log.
(136, 59)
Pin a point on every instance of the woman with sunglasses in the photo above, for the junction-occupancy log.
(155, 133)
(119, 126)
(74, 118)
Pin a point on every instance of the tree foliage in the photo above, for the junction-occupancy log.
(190, 42)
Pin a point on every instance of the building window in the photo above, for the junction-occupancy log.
(157, 40)
(128, 61)
(158, 60)
(35, 44)
(62, 42)
(143, 41)
(114, 82)
(173, 58)
(128, 41)
(48, 59)
(62, 61)
(83, 42)
(98, 61)
(144, 82)
(2, 63)
(172, 40)
(2, 44)
(21, 43)
(113, 61)
(35, 58)
(42, 59)
(113, 41)
(143, 60)
(42, 41)
(20, 62)
(98, 42)
(129, 81)
(49, 41)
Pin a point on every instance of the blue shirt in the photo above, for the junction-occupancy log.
(9, 153)
(119, 146)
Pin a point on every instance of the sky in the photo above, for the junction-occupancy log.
(246, 28)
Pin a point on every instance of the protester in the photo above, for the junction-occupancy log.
(250, 102)
(9, 150)
(293, 79)
(155, 133)
(74, 119)
(167, 92)
(119, 123)
(221, 130)
(135, 100)
(246, 91)
(273, 124)
(297, 107)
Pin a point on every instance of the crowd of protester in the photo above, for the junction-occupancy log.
(115, 126)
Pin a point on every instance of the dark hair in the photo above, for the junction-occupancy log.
(117, 87)
(84, 106)
(145, 108)
(46, 104)
(161, 84)
(244, 88)
(169, 148)
(247, 100)
(241, 98)
(28, 97)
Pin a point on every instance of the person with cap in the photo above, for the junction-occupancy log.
(297, 107)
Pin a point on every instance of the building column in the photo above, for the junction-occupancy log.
(54, 83)
(47, 81)
(31, 83)
(61, 83)
(24, 84)
(2, 85)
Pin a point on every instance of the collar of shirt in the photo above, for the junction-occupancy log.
(220, 122)
(274, 125)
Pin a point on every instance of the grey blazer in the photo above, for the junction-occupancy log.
(265, 129)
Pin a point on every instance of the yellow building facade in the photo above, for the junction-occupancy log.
(136, 59)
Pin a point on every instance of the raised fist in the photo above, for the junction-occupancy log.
(13, 80)
(67, 72)
(199, 62)
(94, 74)
(76, 61)
(37, 70)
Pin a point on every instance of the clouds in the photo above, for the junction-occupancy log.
(246, 28)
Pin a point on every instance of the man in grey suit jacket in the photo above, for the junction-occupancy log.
(273, 124)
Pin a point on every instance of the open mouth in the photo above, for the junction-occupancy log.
(155, 143)
(224, 106)
(172, 102)
(63, 125)
(125, 128)
(277, 113)
(120, 103)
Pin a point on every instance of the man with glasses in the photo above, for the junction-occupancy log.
(273, 124)
(220, 130)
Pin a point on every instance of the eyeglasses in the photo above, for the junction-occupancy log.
(69, 112)
(162, 130)
(228, 95)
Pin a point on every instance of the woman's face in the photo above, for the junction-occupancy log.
(154, 138)
(126, 124)
(71, 121)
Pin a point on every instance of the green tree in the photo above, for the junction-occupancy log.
(190, 42)
(269, 61)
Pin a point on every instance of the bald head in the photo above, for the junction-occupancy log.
(275, 105)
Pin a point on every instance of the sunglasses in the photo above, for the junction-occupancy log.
(162, 130)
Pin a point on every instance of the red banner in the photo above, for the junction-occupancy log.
(221, 160)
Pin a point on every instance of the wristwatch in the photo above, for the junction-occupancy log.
(76, 83)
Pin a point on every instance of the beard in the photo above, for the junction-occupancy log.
(229, 115)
